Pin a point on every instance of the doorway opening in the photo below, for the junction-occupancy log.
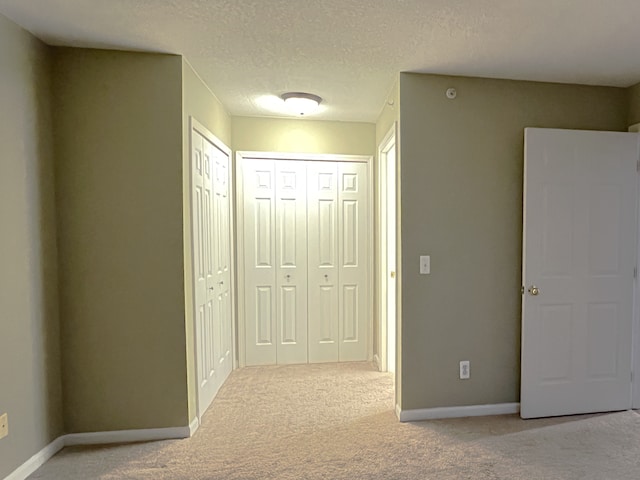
(387, 252)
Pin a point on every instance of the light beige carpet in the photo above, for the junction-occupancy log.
(336, 422)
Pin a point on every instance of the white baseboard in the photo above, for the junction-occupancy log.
(457, 412)
(39, 459)
(193, 426)
(100, 438)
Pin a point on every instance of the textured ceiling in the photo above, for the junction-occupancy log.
(350, 51)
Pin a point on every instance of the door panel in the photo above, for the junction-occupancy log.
(353, 257)
(221, 242)
(203, 271)
(211, 266)
(291, 278)
(580, 251)
(322, 191)
(260, 262)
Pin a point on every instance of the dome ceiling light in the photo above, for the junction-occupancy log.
(301, 103)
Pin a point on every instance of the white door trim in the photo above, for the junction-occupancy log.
(239, 178)
(635, 346)
(635, 367)
(387, 143)
(196, 126)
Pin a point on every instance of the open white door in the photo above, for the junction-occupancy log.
(579, 255)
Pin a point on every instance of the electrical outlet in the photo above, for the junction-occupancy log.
(465, 370)
(425, 264)
(4, 425)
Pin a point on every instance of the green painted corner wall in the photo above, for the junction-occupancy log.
(199, 103)
(118, 131)
(461, 202)
(30, 392)
(633, 99)
(302, 136)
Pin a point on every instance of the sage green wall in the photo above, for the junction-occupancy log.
(30, 391)
(200, 103)
(633, 93)
(118, 131)
(302, 136)
(461, 201)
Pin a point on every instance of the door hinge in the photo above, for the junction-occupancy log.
(522, 290)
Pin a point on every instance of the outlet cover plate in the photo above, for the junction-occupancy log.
(425, 264)
(465, 371)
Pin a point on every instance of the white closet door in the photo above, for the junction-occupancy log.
(322, 191)
(306, 254)
(259, 262)
(222, 263)
(353, 258)
(291, 260)
(205, 299)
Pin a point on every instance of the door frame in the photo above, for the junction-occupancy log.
(388, 142)
(242, 155)
(196, 126)
(635, 368)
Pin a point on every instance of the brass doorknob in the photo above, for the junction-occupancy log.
(533, 290)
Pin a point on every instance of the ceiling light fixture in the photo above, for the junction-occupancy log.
(301, 103)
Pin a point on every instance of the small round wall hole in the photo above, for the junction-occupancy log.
(451, 93)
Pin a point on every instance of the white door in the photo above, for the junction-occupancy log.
(221, 235)
(579, 255)
(353, 260)
(260, 267)
(306, 261)
(202, 218)
(322, 191)
(275, 272)
(291, 261)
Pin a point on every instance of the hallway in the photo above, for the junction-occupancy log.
(335, 421)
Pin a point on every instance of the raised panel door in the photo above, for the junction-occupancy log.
(291, 260)
(353, 261)
(322, 198)
(580, 252)
(260, 263)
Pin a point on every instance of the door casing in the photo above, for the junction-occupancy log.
(386, 145)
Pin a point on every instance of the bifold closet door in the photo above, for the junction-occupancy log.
(353, 261)
(338, 261)
(205, 298)
(275, 257)
(222, 260)
(212, 266)
(322, 200)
